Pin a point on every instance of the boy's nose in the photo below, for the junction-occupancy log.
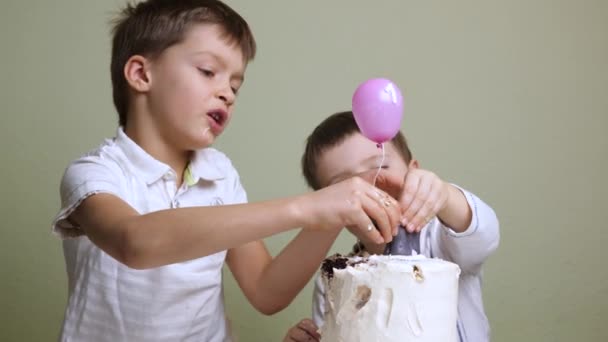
(226, 95)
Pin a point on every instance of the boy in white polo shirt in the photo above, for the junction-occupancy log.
(150, 216)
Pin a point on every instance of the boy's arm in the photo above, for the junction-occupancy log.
(457, 213)
(271, 284)
(471, 247)
(145, 241)
(174, 235)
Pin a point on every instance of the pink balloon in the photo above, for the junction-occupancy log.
(378, 109)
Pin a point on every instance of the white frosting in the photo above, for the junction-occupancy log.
(385, 299)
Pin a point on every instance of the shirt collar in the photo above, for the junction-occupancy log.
(146, 166)
(204, 164)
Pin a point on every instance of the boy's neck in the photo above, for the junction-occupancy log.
(160, 150)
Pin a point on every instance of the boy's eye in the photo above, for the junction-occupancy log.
(206, 72)
(235, 90)
(384, 167)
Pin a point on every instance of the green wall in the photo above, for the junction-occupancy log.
(506, 98)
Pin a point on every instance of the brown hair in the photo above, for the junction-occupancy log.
(329, 133)
(150, 27)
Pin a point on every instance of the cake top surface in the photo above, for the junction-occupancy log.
(392, 263)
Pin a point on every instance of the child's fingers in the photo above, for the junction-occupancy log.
(418, 201)
(360, 217)
(428, 195)
(303, 332)
(310, 327)
(297, 334)
(410, 188)
(386, 192)
(429, 208)
(372, 208)
(392, 209)
(388, 182)
(422, 217)
(390, 212)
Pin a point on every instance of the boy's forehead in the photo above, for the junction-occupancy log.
(210, 39)
(355, 145)
(352, 156)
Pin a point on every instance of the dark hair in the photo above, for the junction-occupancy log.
(150, 27)
(332, 131)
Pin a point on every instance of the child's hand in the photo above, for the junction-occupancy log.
(304, 331)
(353, 203)
(422, 195)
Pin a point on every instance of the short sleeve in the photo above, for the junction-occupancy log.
(83, 178)
(239, 194)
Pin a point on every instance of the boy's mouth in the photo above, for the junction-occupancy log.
(219, 116)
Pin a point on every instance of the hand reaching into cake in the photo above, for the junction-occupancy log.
(353, 203)
(304, 331)
(423, 195)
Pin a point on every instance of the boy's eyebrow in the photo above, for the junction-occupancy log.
(238, 76)
(342, 175)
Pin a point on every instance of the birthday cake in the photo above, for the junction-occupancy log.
(390, 298)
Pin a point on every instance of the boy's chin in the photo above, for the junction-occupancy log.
(203, 144)
(205, 140)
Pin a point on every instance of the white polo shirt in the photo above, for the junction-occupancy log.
(109, 301)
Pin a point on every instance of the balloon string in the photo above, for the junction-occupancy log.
(381, 146)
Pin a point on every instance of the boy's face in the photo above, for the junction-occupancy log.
(359, 156)
(193, 87)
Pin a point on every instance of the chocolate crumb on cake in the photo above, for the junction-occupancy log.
(336, 261)
(339, 262)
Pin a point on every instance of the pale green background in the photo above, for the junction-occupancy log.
(506, 98)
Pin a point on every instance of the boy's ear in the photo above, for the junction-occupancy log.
(137, 73)
(413, 164)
